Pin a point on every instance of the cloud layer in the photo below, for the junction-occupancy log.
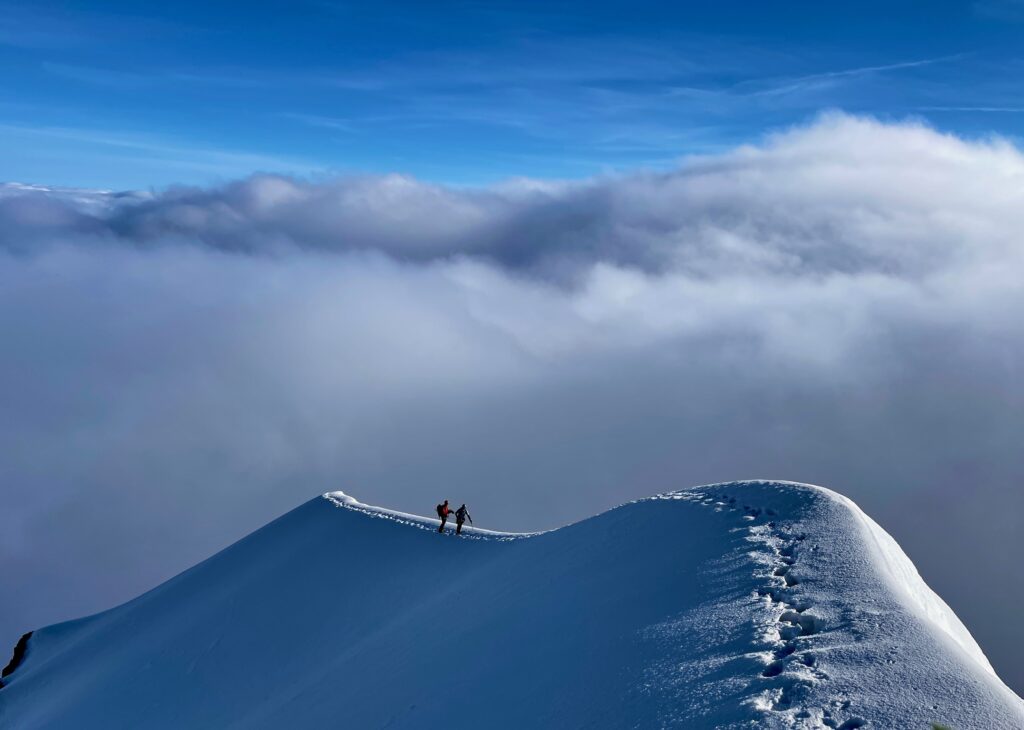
(839, 304)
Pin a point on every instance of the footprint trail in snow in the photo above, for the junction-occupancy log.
(786, 639)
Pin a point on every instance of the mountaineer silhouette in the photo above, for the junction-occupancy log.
(443, 510)
(461, 515)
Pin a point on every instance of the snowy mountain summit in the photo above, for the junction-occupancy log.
(741, 605)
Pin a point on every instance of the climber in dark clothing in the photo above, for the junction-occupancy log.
(443, 510)
(461, 515)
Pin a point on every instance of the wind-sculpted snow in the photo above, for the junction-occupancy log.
(741, 605)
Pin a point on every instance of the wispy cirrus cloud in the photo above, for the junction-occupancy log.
(581, 103)
(47, 27)
(984, 109)
(818, 80)
(666, 101)
(317, 120)
(116, 78)
(214, 160)
(1006, 10)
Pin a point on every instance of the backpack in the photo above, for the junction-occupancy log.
(440, 510)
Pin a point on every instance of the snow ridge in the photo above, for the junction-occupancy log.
(760, 604)
(791, 636)
(340, 499)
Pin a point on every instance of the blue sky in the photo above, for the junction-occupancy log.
(127, 95)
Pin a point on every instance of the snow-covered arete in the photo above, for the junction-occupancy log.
(424, 523)
(740, 605)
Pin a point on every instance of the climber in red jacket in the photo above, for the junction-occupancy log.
(443, 510)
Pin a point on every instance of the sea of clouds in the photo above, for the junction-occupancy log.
(840, 304)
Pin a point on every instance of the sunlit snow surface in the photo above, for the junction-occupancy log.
(742, 605)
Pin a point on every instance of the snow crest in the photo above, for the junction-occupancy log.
(748, 604)
(340, 499)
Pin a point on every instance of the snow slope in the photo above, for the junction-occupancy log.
(742, 605)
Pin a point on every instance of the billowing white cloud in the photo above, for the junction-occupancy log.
(843, 196)
(839, 304)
